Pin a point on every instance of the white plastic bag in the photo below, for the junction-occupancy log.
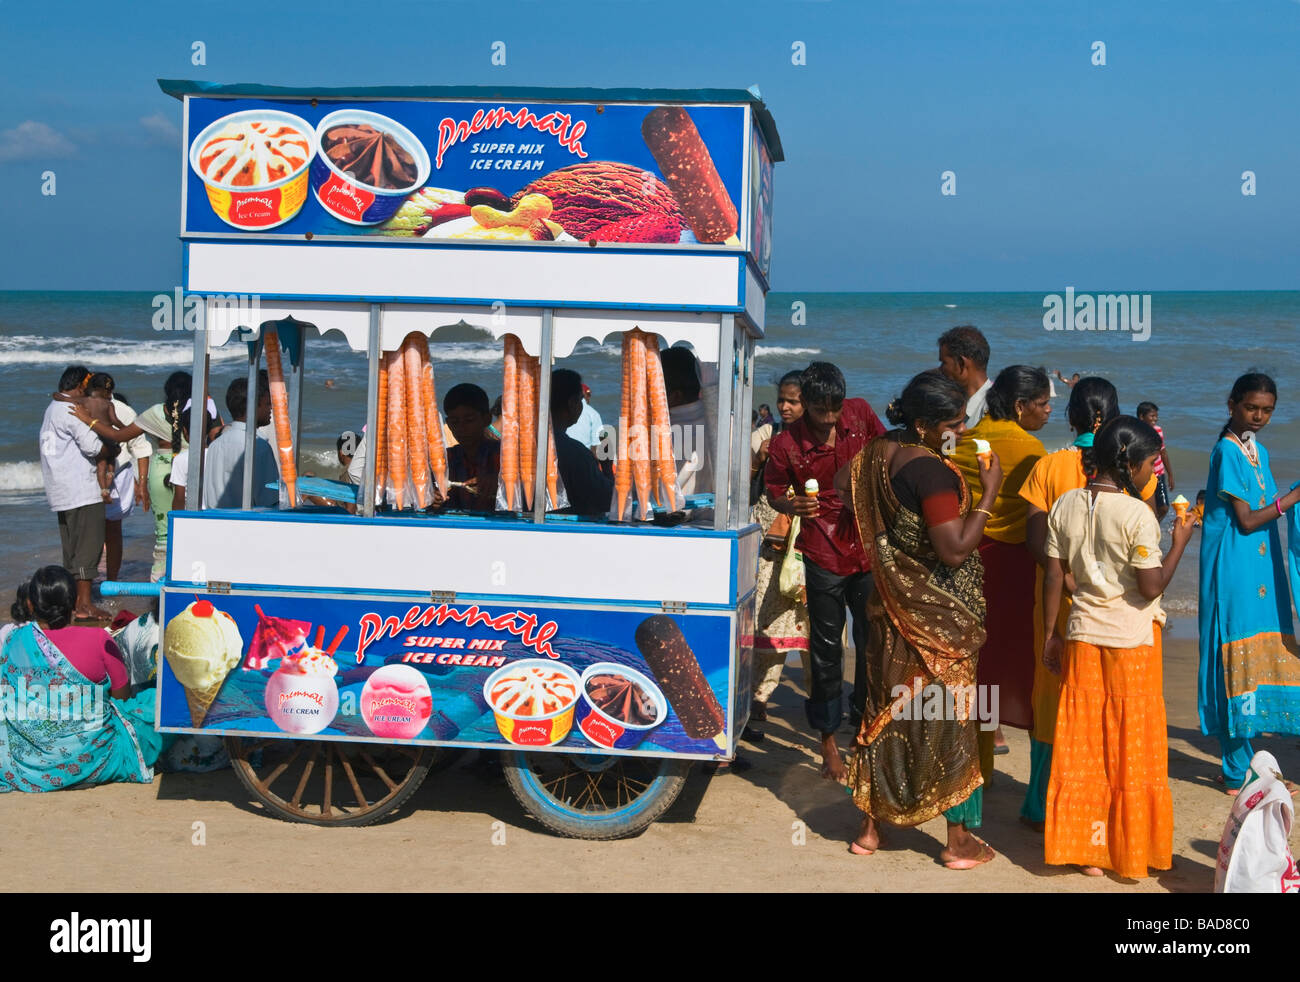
(1253, 853)
(791, 580)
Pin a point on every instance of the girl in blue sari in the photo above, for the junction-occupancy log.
(62, 725)
(1250, 667)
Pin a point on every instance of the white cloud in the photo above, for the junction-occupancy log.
(31, 140)
(160, 129)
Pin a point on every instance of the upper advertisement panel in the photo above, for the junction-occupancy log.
(516, 173)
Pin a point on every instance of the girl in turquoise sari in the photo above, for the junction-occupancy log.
(60, 728)
(1250, 668)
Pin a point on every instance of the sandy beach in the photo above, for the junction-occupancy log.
(776, 827)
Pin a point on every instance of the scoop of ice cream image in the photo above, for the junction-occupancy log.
(396, 702)
(202, 645)
(302, 696)
(596, 194)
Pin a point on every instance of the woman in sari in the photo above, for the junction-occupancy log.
(1019, 404)
(73, 720)
(1093, 403)
(925, 623)
(1249, 669)
(781, 623)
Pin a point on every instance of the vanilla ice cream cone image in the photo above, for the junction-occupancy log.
(1180, 506)
(202, 645)
(984, 453)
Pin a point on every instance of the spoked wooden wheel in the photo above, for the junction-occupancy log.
(328, 782)
(590, 797)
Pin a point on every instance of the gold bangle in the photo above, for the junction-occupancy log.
(984, 510)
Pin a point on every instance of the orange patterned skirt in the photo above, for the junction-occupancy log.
(1108, 801)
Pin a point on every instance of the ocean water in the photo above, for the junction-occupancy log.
(1198, 344)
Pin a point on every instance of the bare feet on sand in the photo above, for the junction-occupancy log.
(965, 851)
(832, 762)
(868, 840)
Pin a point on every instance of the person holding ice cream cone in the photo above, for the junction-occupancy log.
(922, 527)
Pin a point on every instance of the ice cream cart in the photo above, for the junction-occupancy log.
(350, 640)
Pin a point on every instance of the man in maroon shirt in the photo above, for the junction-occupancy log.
(829, 434)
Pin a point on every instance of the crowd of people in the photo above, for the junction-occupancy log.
(924, 540)
(933, 534)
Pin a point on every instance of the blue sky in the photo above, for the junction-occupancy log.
(1126, 176)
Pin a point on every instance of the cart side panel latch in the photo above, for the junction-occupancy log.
(217, 586)
(673, 606)
(442, 596)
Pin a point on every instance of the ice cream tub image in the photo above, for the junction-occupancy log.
(533, 700)
(366, 166)
(254, 166)
(618, 706)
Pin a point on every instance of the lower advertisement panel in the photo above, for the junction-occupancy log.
(456, 673)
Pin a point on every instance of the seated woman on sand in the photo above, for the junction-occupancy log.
(59, 727)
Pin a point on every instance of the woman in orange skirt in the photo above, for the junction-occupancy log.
(1108, 800)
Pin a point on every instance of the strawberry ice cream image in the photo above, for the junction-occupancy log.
(396, 702)
(302, 696)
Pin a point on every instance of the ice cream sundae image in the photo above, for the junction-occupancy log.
(202, 645)
(532, 700)
(274, 637)
(251, 153)
(619, 706)
(254, 166)
(396, 702)
(302, 696)
(367, 166)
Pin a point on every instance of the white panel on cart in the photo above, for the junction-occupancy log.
(613, 566)
(700, 329)
(614, 277)
(226, 314)
(400, 319)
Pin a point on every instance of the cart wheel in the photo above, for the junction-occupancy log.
(589, 797)
(330, 783)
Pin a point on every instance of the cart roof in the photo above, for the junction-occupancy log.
(179, 88)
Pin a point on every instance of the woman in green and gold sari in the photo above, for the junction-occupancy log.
(915, 756)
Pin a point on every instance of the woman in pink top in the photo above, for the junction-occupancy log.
(57, 728)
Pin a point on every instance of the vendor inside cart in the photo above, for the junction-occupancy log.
(474, 462)
(589, 490)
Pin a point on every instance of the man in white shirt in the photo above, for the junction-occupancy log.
(223, 463)
(68, 451)
(587, 429)
(964, 358)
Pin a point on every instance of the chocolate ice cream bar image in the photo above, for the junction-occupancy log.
(689, 171)
(678, 673)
